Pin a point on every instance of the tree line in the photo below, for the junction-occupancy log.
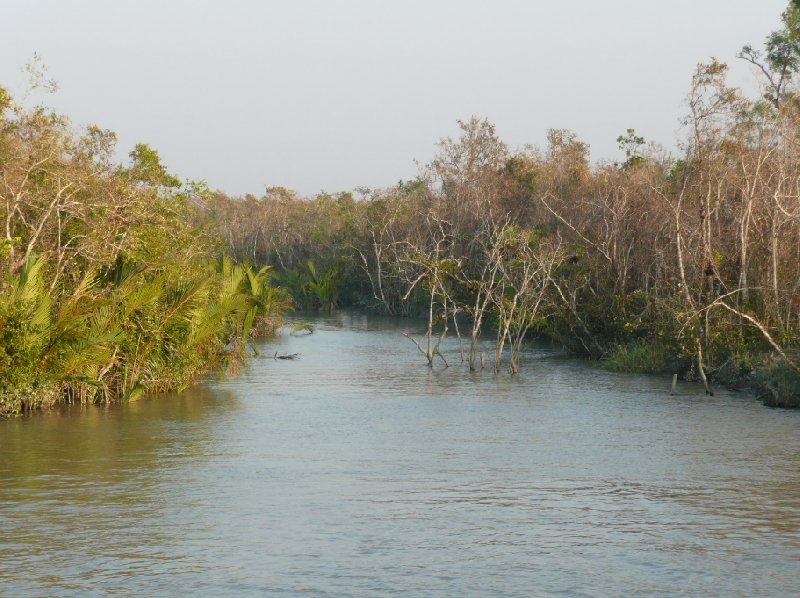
(120, 279)
(658, 263)
(110, 286)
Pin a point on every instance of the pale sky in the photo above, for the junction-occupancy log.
(329, 95)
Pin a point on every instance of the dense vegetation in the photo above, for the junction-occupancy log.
(657, 263)
(116, 281)
(109, 286)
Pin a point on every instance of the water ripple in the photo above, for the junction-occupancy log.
(356, 470)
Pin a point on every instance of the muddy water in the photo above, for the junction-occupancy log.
(355, 470)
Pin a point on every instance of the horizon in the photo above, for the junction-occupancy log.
(234, 97)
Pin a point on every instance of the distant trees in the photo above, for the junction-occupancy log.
(689, 263)
(113, 278)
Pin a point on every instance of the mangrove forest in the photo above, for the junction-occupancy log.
(120, 279)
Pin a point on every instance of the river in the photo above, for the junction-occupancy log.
(355, 470)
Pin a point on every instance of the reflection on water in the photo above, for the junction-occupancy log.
(357, 471)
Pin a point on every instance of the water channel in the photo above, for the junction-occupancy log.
(355, 470)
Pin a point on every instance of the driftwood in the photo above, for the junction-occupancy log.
(286, 356)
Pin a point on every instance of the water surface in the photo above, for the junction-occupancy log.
(355, 470)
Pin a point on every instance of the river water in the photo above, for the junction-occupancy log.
(354, 470)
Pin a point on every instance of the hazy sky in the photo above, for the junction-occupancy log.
(314, 94)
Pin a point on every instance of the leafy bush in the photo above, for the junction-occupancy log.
(777, 384)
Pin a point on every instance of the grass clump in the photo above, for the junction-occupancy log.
(640, 357)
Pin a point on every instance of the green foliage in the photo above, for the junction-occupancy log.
(5, 100)
(411, 188)
(131, 328)
(643, 357)
(146, 167)
(523, 172)
(780, 61)
(110, 284)
(631, 144)
(779, 384)
(313, 288)
(655, 264)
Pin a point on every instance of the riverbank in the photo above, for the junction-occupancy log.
(697, 250)
(112, 285)
(128, 332)
(766, 376)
